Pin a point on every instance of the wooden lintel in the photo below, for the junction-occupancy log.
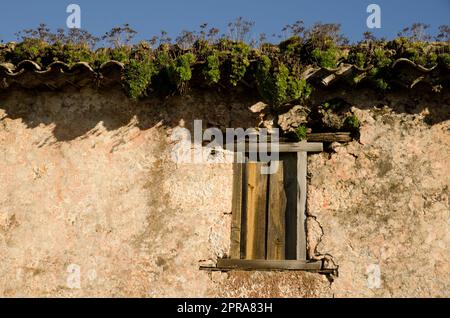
(282, 147)
(329, 137)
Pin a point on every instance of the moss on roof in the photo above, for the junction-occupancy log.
(281, 73)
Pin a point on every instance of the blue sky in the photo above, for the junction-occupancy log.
(149, 17)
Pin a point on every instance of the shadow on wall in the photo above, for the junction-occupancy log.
(435, 105)
(75, 112)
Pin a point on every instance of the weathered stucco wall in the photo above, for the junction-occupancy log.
(87, 182)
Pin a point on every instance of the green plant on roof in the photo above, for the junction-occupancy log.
(274, 69)
(334, 104)
(137, 77)
(321, 45)
(352, 122)
(327, 58)
(301, 132)
(239, 62)
(444, 58)
(413, 43)
(291, 47)
(120, 54)
(44, 47)
(277, 85)
(212, 69)
(179, 70)
(381, 70)
(29, 49)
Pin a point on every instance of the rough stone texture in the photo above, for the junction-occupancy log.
(384, 201)
(290, 120)
(87, 182)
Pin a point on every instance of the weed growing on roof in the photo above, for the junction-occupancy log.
(137, 77)
(232, 59)
(301, 132)
(444, 59)
(211, 71)
(239, 60)
(179, 70)
(352, 123)
(277, 84)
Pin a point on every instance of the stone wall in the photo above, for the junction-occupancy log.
(88, 185)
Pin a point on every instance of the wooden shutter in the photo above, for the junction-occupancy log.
(264, 217)
(276, 220)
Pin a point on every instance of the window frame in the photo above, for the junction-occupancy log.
(235, 261)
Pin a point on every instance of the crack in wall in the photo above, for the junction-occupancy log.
(314, 236)
(313, 239)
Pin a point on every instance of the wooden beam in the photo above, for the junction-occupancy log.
(330, 137)
(256, 212)
(236, 214)
(241, 264)
(301, 204)
(282, 146)
(276, 227)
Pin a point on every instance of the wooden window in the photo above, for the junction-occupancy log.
(268, 216)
